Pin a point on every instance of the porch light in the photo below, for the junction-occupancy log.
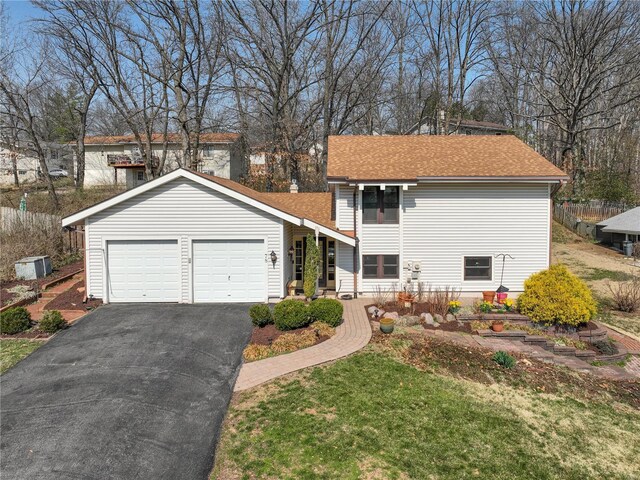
(274, 258)
(291, 252)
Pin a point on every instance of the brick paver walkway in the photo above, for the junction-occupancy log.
(37, 309)
(351, 336)
(631, 344)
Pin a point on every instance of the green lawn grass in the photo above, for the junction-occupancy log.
(594, 274)
(372, 416)
(627, 322)
(12, 351)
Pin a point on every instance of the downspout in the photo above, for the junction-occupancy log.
(554, 190)
(355, 247)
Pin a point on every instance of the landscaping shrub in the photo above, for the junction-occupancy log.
(326, 310)
(504, 359)
(14, 320)
(255, 352)
(290, 342)
(556, 296)
(323, 329)
(311, 264)
(290, 314)
(52, 321)
(261, 315)
(606, 348)
(626, 295)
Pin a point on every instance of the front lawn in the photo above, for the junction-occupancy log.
(400, 410)
(12, 351)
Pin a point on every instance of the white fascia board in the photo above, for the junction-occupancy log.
(81, 215)
(491, 179)
(328, 231)
(361, 185)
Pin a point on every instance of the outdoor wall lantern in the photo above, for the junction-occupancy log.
(274, 258)
(291, 252)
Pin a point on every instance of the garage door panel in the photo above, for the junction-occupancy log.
(229, 271)
(143, 271)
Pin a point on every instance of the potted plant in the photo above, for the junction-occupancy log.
(508, 304)
(485, 307)
(488, 296)
(501, 297)
(386, 325)
(497, 325)
(454, 307)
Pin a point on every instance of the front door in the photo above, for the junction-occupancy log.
(326, 246)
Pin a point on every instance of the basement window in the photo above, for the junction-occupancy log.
(477, 268)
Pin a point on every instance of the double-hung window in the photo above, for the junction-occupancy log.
(380, 206)
(380, 266)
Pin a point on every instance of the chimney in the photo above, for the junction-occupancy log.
(293, 188)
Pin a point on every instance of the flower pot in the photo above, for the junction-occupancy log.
(488, 296)
(386, 325)
(497, 326)
(501, 297)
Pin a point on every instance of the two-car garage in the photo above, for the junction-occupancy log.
(221, 270)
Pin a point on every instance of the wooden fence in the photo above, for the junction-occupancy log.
(594, 211)
(574, 223)
(13, 220)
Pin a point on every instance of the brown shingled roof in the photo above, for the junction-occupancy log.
(315, 206)
(409, 157)
(158, 138)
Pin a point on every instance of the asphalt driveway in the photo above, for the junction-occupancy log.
(130, 391)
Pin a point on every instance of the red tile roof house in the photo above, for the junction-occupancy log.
(402, 208)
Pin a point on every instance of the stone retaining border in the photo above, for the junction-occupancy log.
(552, 347)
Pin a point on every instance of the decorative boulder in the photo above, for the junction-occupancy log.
(436, 324)
(408, 321)
(450, 318)
(427, 318)
(438, 318)
(393, 315)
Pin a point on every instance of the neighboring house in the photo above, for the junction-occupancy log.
(112, 160)
(429, 209)
(462, 127)
(27, 165)
(624, 227)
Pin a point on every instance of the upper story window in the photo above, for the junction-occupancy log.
(380, 206)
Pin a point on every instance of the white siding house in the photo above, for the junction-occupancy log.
(401, 215)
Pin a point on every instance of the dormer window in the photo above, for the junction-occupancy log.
(380, 206)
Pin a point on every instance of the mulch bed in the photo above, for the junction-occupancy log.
(418, 308)
(6, 297)
(72, 300)
(32, 334)
(450, 327)
(267, 334)
(475, 363)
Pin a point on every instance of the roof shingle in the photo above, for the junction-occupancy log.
(410, 157)
(316, 206)
(158, 138)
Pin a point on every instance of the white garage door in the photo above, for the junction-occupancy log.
(229, 271)
(143, 271)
